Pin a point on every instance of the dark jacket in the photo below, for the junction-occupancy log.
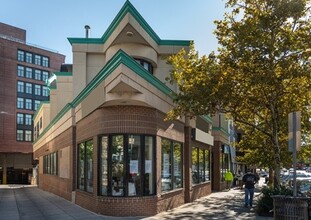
(250, 179)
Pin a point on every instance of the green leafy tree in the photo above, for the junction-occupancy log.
(260, 73)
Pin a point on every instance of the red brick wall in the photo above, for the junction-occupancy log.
(170, 200)
(12, 31)
(113, 206)
(201, 190)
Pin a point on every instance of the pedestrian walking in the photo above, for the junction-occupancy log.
(249, 179)
(240, 179)
(228, 179)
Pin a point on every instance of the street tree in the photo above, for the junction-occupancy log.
(260, 73)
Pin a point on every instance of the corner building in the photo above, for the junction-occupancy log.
(23, 71)
(104, 143)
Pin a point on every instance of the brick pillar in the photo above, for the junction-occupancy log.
(187, 160)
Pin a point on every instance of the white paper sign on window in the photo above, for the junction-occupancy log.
(148, 166)
(134, 166)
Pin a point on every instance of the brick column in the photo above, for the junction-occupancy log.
(187, 160)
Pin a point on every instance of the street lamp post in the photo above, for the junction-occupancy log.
(294, 142)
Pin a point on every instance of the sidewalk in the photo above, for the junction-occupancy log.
(218, 205)
(29, 202)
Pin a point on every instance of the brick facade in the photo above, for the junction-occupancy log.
(116, 119)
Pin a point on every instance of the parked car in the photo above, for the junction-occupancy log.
(299, 176)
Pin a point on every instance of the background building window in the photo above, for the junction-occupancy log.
(171, 167)
(45, 91)
(85, 166)
(28, 88)
(37, 59)
(20, 71)
(28, 104)
(45, 61)
(28, 135)
(21, 55)
(38, 74)
(28, 57)
(20, 87)
(20, 119)
(19, 135)
(28, 73)
(37, 104)
(20, 103)
(37, 90)
(28, 119)
(131, 171)
(45, 75)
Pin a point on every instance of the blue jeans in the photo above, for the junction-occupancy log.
(249, 195)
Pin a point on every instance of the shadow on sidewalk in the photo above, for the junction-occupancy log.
(219, 205)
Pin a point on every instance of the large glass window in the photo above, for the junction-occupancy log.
(171, 166)
(28, 88)
(38, 74)
(20, 119)
(200, 165)
(117, 165)
(132, 168)
(224, 161)
(20, 103)
(20, 71)
(20, 55)
(85, 166)
(28, 119)
(20, 87)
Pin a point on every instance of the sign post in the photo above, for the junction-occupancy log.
(294, 141)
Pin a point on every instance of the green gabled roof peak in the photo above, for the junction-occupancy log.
(128, 8)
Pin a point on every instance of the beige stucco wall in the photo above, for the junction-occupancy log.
(64, 91)
(79, 72)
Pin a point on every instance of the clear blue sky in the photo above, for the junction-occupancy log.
(50, 23)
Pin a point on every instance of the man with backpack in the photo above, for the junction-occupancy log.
(249, 180)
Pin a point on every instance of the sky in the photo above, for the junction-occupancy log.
(50, 23)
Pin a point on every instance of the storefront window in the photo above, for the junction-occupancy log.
(171, 165)
(127, 165)
(224, 161)
(149, 180)
(117, 165)
(104, 165)
(85, 166)
(200, 165)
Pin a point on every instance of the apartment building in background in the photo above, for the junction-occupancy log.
(24, 69)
